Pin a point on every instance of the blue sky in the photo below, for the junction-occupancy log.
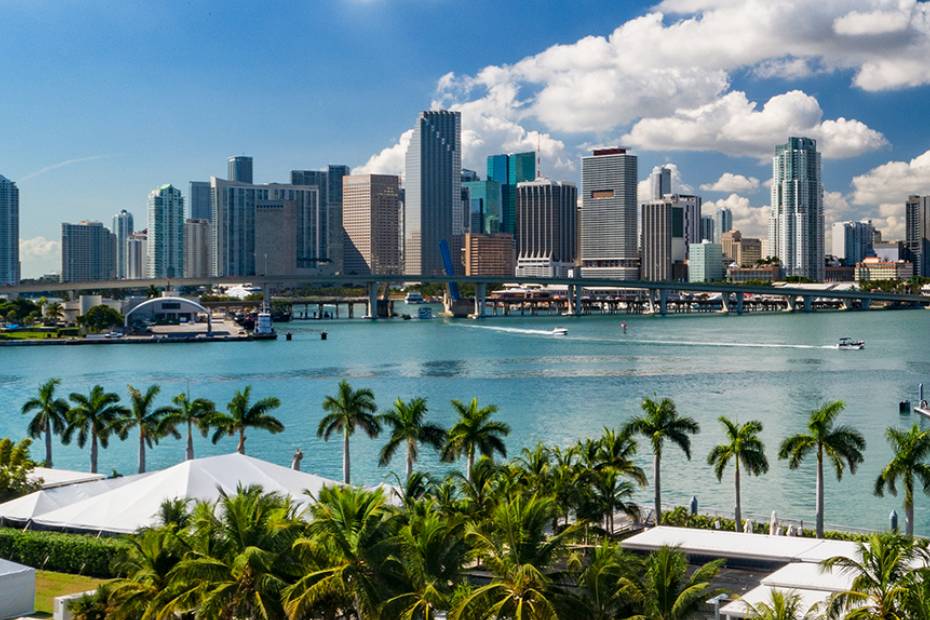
(103, 101)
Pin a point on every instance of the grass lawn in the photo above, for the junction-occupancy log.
(50, 584)
(28, 335)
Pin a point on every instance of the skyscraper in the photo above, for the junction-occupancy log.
(707, 228)
(200, 200)
(660, 182)
(705, 262)
(87, 252)
(852, 241)
(136, 255)
(723, 222)
(664, 248)
(122, 228)
(508, 170)
(196, 248)
(485, 212)
(917, 233)
(329, 183)
(165, 233)
(370, 220)
(275, 241)
(796, 221)
(239, 169)
(232, 225)
(433, 193)
(607, 219)
(9, 232)
(546, 228)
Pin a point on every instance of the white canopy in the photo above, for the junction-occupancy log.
(60, 477)
(17, 589)
(28, 507)
(742, 607)
(134, 505)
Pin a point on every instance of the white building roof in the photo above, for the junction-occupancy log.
(763, 594)
(810, 576)
(737, 545)
(59, 477)
(29, 506)
(134, 505)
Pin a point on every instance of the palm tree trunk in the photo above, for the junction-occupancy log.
(190, 441)
(909, 506)
(48, 443)
(141, 451)
(346, 459)
(93, 452)
(739, 508)
(819, 492)
(469, 463)
(656, 477)
(241, 447)
(409, 459)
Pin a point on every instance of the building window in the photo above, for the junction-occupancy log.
(602, 194)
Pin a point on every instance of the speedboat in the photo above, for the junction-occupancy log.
(559, 331)
(850, 344)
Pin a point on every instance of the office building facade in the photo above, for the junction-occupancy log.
(370, 219)
(122, 228)
(660, 183)
(275, 241)
(607, 219)
(433, 211)
(873, 269)
(723, 222)
(917, 233)
(707, 228)
(239, 169)
(663, 243)
(484, 213)
(136, 255)
(196, 248)
(796, 223)
(9, 232)
(165, 233)
(705, 262)
(509, 170)
(852, 241)
(88, 252)
(199, 200)
(546, 239)
(489, 255)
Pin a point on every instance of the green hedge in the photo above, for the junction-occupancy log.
(681, 517)
(78, 554)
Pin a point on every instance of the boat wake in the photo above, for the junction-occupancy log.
(632, 340)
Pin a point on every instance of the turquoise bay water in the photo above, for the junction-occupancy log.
(774, 368)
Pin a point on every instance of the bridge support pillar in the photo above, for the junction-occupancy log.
(847, 304)
(577, 310)
(373, 300)
(792, 303)
(663, 302)
(480, 298)
(866, 303)
(808, 303)
(739, 303)
(724, 303)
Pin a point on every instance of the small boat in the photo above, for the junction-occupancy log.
(850, 344)
(414, 297)
(559, 331)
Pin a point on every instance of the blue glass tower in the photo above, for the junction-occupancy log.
(508, 170)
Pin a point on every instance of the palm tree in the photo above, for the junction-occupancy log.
(149, 421)
(883, 575)
(745, 449)
(146, 562)
(345, 411)
(599, 579)
(475, 431)
(910, 449)
(606, 495)
(50, 415)
(843, 445)
(93, 416)
(199, 412)
(54, 311)
(408, 427)
(782, 605)
(514, 548)
(241, 415)
(659, 423)
(349, 543)
(616, 451)
(667, 591)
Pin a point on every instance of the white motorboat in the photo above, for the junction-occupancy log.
(848, 344)
(414, 297)
(559, 331)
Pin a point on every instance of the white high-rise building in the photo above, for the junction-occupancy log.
(136, 255)
(165, 233)
(607, 219)
(433, 193)
(196, 248)
(660, 182)
(122, 228)
(9, 232)
(796, 234)
(852, 241)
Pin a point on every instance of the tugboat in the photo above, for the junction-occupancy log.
(848, 344)
(264, 329)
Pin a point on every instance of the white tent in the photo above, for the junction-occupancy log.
(17, 589)
(52, 478)
(132, 506)
(27, 507)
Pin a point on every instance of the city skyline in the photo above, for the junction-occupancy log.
(840, 91)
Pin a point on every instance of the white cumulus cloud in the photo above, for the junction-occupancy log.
(751, 221)
(886, 187)
(730, 182)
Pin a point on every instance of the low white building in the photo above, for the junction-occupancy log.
(17, 589)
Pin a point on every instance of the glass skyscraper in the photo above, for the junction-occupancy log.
(239, 169)
(122, 228)
(796, 234)
(508, 170)
(433, 194)
(9, 232)
(484, 207)
(199, 198)
(165, 233)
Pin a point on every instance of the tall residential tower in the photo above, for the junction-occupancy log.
(9, 232)
(796, 223)
(122, 228)
(165, 233)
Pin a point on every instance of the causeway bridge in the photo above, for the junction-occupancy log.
(657, 294)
